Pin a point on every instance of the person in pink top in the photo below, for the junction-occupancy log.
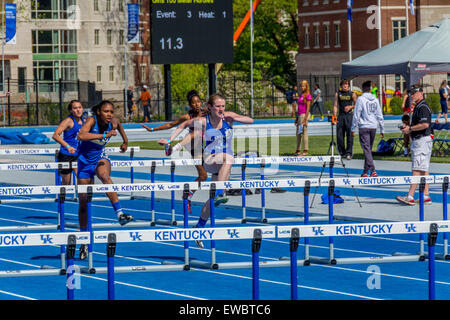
(301, 121)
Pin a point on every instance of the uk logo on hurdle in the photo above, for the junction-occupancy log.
(410, 227)
(233, 233)
(46, 239)
(317, 231)
(291, 183)
(46, 190)
(136, 236)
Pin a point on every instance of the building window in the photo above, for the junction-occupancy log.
(96, 5)
(398, 29)
(141, 38)
(400, 83)
(121, 37)
(96, 37)
(337, 35)
(109, 37)
(306, 28)
(54, 41)
(315, 2)
(108, 5)
(316, 36)
(143, 73)
(111, 73)
(22, 75)
(121, 6)
(99, 73)
(123, 73)
(51, 9)
(326, 42)
(448, 79)
(48, 73)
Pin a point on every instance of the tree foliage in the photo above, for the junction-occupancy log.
(275, 41)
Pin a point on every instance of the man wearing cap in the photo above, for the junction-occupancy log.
(421, 143)
(145, 99)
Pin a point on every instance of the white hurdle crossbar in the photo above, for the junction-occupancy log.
(40, 239)
(432, 228)
(111, 238)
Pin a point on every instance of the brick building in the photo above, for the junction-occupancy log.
(324, 32)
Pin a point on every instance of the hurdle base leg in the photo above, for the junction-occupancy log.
(62, 271)
(304, 262)
(421, 256)
(186, 267)
(320, 260)
(87, 270)
(203, 264)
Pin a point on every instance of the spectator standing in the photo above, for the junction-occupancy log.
(366, 117)
(317, 100)
(344, 101)
(421, 143)
(407, 110)
(301, 121)
(145, 100)
(443, 96)
(130, 102)
(291, 98)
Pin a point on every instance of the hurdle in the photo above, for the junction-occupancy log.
(16, 240)
(113, 238)
(400, 257)
(58, 166)
(413, 227)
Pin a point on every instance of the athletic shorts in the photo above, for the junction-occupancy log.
(444, 107)
(66, 158)
(87, 170)
(421, 153)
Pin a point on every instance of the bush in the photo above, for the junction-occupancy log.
(396, 105)
(433, 101)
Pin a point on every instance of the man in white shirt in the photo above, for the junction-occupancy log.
(366, 117)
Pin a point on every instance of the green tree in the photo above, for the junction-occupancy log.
(275, 41)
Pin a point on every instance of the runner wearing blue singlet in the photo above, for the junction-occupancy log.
(218, 155)
(92, 160)
(69, 127)
(192, 144)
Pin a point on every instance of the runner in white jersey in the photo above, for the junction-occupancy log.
(218, 155)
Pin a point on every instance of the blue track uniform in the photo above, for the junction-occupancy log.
(70, 136)
(91, 152)
(218, 140)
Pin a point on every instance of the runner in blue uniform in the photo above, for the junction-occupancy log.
(92, 160)
(193, 145)
(69, 127)
(218, 155)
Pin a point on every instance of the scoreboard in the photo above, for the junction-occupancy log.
(191, 31)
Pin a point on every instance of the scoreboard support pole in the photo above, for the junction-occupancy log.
(167, 92)
(212, 78)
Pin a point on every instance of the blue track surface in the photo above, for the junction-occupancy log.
(397, 281)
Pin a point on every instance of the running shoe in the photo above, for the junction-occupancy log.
(406, 200)
(83, 251)
(199, 243)
(349, 157)
(364, 175)
(125, 218)
(189, 201)
(219, 200)
(168, 149)
(373, 174)
(426, 200)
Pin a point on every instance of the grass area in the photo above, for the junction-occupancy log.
(285, 146)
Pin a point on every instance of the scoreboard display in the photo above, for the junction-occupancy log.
(191, 31)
